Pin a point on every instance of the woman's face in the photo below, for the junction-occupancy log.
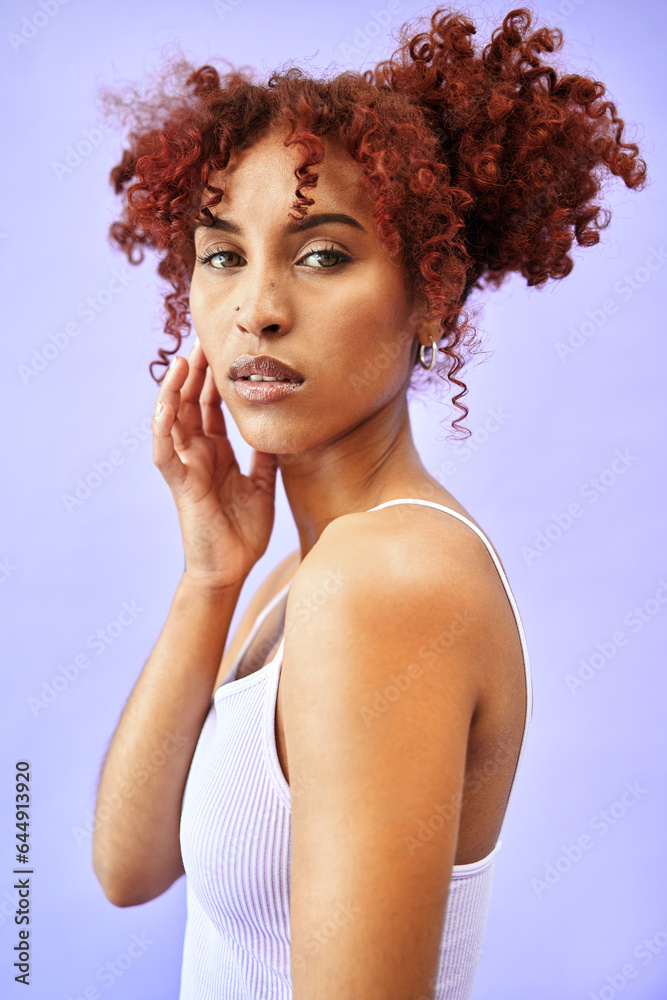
(327, 300)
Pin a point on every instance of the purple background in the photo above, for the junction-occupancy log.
(67, 573)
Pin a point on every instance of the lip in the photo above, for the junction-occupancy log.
(247, 365)
(265, 392)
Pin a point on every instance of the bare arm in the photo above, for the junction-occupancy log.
(370, 778)
(136, 847)
(226, 520)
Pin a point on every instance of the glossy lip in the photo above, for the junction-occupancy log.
(247, 365)
(264, 392)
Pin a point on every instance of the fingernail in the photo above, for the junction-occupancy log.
(158, 409)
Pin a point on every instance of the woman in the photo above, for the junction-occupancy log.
(344, 763)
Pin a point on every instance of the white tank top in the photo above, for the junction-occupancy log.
(236, 845)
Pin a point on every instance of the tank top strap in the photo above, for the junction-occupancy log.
(261, 617)
(508, 590)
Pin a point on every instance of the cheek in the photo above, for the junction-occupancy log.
(196, 304)
(385, 301)
(368, 366)
(207, 328)
(206, 323)
(383, 325)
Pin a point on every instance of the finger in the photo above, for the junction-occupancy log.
(263, 471)
(211, 407)
(189, 415)
(170, 395)
(164, 452)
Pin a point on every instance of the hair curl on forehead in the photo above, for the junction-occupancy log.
(480, 162)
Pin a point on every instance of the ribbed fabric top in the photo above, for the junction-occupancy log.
(236, 845)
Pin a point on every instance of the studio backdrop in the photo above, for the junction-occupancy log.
(564, 470)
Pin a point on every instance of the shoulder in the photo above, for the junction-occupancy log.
(413, 550)
(386, 641)
(404, 585)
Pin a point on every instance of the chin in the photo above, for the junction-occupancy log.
(271, 439)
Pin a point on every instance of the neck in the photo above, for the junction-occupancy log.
(373, 462)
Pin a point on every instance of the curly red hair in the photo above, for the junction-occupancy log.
(481, 163)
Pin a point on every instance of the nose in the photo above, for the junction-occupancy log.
(261, 309)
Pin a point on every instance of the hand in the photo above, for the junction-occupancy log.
(226, 518)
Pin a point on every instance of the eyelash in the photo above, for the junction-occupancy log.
(344, 258)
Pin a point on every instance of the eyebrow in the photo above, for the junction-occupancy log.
(309, 222)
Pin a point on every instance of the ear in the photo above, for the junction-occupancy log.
(423, 326)
(427, 327)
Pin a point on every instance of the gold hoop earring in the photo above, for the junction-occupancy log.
(434, 351)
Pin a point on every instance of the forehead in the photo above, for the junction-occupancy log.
(261, 176)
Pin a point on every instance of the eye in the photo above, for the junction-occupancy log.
(212, 254)
(329, 258)
(328, 253)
